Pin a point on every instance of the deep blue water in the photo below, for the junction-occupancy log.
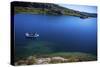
(57, 34)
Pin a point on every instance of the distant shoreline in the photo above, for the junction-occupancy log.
(49, 9)
(33, 11)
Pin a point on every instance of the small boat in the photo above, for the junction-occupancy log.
(32, 35)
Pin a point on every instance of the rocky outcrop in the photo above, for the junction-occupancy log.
(43, 60)
(61, 57)
(33, 60)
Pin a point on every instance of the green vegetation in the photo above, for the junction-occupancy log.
(28, 10)
(48, 9)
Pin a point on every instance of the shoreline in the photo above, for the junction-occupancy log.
(62, 57)
(46, 11)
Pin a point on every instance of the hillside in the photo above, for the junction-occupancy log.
(48, 9)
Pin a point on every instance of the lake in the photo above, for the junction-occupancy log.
(57, 34)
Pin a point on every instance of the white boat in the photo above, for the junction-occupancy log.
(32, 35)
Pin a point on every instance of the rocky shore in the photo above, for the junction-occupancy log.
(56, 58)
(33, 60)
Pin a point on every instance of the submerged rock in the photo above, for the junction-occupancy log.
(43, 60)
(59, 59)
(31, 60)
(20, 62)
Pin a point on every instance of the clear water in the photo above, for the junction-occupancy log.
(57, 34)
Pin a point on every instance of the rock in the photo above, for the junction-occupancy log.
(31, 58)
(39, 61)
(73, 60)
(76, 60)
(48, 59)
(20, 62)
(59, 59)
(43, 60)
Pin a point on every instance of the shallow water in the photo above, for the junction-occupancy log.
(57, 34)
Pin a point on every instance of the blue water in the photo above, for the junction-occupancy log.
(57, 34)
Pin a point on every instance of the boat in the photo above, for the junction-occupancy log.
(31, 35)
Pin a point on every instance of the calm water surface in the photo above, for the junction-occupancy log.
(57, 34)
